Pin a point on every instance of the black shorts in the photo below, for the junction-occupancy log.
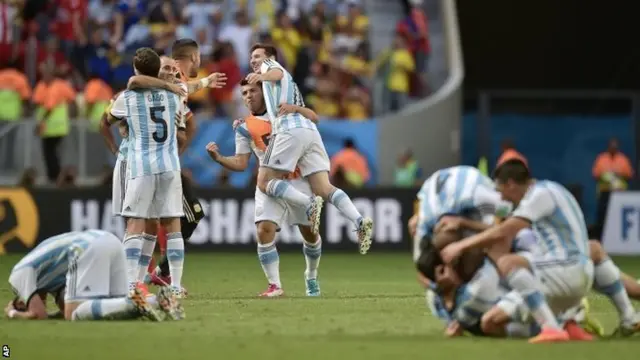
(191, 205)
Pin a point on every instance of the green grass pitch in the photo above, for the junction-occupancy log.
(371, 308)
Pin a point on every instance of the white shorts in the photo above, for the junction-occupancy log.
(99, 271)
(301, 148)
(154, 196)
(119, 186)
(278, 211)
(564, 281)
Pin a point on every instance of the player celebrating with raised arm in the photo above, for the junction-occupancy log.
(154, 188)
(89, 268)
(252, 136)
(296, 142)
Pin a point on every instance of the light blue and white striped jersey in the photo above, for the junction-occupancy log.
(458, 190)
(123, 149)
(284, 91)
(556, 219)
(45, 267)
(472, 299)
(152, 118)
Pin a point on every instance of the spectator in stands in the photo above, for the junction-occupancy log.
(127, 14)
(509, 152)
(100, 14)
(355, 18)
(401, 65)
(29, 176)
(324, 100)
(14, 92)
(51, 55)
(67, 177)
(97, 94)
(240, 35)
(353, 164)
(96, 56)
(612, 169)
(225, 61)
(54, 98)
(407, 173)
(70, 25)
(355, 104)
(287, 38)
(199, 14)
(264, 14)
(416, 29)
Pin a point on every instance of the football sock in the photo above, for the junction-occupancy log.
(282, 189)
(520, 330)
(270, 261)
(607, 281)
(341, 200)
(175, 255)
(133, 249)
(103, 309)
(148, 245)
(312, 254)
(522, 281)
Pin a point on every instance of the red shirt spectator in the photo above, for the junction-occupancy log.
(227, 64)
(70, 14)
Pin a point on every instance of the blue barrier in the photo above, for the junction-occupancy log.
(559, 148)
(334, 133)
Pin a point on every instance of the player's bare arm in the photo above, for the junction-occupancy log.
(284, 109)
(503, 233)
(238, 162)
(105, 131)
(35, 310)
(213, 81)
(190, 132)
(274, 74)
(149, 82)
(450, 223)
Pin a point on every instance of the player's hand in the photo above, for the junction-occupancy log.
(454, 329)
(237, 122)
(448, 223)
(413, 225)
(285, 109)
(40, 128)
(451, 252)
(212, 150)
(217, 80)
(176, 89)
(253, 78)
(8, 308)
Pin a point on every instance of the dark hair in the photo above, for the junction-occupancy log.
(513, 169)
(429, 259)
(147, 62)
(269, 50)
(244, 82)
(183, 48)
(348, 143)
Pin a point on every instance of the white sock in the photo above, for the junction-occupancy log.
(148, 245)
(270, 261)
(523, 281)
(341, 200)
(312, 254)
(607, 281)
(522, 330)
(175, 255)
(282, 189)
(105, 309)
(133, 249)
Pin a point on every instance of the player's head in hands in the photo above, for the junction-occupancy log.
(252, 97)
(260, 52)
(512, 180)
(187, 52)
(146, 62)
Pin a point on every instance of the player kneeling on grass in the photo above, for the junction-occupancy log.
(252, 136)
(470, 297)
(90, 266)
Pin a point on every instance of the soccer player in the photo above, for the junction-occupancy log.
(252, 136)
(154, 188)
(296, 142)
(482, 305)
(562, 270)
(89, 268)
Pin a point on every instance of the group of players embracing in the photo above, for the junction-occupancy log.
(513, 258)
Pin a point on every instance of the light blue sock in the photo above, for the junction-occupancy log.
(105, 309)
(133, 249)
(282, 189)
(270, 262)
(148, 245)
(607, 282)
(312, 254)
(522, 330)
(523, 281)
(341, 200)
(175, 255)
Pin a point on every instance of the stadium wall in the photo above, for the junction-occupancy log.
(553, 147)
(32, 216)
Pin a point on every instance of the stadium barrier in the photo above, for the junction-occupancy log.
(621, 235)
(29, 216)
